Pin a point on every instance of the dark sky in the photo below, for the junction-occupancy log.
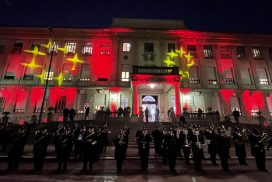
(253, 16)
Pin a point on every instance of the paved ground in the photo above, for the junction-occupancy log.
(104, 170)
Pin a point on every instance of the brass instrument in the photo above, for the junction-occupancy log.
(265, 138)
(185, 132)
(121, 139)
(198, 143)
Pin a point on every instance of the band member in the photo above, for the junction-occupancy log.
(105, 133)
(144, 146)
(77, 135)
(211, 140)
(197, 142)
(164, 145)
(120, 150)
(89, 143)
(258, 149)
(16, 149)
(172, 151)
(224, 147)
(240, 138)
(157, 136)
(41, 140)
(178, 137)
(64, 149)
(185, 144)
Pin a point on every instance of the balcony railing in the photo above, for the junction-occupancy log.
(153, 70)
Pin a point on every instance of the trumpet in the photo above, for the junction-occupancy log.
(265, 138)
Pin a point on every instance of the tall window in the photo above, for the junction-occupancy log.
(87, 49)
(71, 48)
(60, 104)
(263, 76)
(17, 48)
(67, 76)
(126, 47)
(225, 52)
(125, 76)
(192, 50)
(194, 75)
(241, 52)
(211, 75)
(35, 45)
(50, 77)
(125, 73)
(208, 52)
(229, 79)
(85, 72)
(148, 47)
(245, 76)
(149, 52)
(53, 47)
(257, 53)
(28, 75)
(171, 47)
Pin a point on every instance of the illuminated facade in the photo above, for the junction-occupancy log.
(136, 63)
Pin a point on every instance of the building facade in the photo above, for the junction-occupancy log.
(135, 63)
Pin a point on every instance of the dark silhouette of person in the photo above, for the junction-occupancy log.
(65, 114)
(146, 114)
(236, 115)
(157, 114)
(72, 114)
(87, 111)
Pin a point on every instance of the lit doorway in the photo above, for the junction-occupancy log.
(150, 102)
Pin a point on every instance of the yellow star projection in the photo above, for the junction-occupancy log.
(48, 45)
(184, 56)
(75, 61)
(188, 56)
(168, 61)
(59, 79)
(172, 54)
(181, 52)
(32, 64)
(42, 76)
(63, 49)
(191, 63)
(35, 52)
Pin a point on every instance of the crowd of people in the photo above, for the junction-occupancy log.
(183, 141)
(87, 143)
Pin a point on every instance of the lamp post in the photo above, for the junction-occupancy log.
(52, 49)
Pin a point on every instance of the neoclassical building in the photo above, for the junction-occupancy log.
(135, 63)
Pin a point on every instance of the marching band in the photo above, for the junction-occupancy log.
(87, 143)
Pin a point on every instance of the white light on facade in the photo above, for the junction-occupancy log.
(126, 47)
(151, 85)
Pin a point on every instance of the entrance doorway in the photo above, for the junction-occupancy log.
(150, 102)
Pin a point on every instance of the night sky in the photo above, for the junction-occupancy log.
(203, 15)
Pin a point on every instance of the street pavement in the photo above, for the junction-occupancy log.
(104, 171)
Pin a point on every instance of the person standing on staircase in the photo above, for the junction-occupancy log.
(172, 146)
(120, 150)
(146, 114)
(144, 146)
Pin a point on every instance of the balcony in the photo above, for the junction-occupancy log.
(153, 70)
